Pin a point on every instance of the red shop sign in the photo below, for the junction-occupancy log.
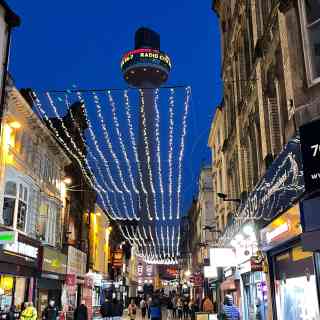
(71, 280)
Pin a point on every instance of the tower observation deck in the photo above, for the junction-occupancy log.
(146, 68)
(146, 64)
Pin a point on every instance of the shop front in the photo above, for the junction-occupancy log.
(231, 285)
(293, 271)
(254, 290)
(76, 270)
(18, 269)
(264, 215)
(50, 283)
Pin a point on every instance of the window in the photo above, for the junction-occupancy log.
(22, 207)
(11, 194)
(310, 20)
(9, 203)
(49, 213)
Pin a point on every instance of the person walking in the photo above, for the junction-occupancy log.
(117, 310)
(207, 305)
(29, 313)
(185, 309)
(229, 310)
(106, 310)
(193, 308)
(81, 312)
(169, 309)
(143, 308)
(132, 309)
(155, 310)
(174, 307)
(180, 308)
(50, 312)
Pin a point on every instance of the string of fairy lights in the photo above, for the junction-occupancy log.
(170, 151)
(147, 151)
(129, 189)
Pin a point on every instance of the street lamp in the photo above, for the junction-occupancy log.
(224, 197)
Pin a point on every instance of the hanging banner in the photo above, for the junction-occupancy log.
(279, 189)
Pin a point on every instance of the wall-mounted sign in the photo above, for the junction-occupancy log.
(282, 184)
(283, 228)
(22, 248)
(310, 149)
(54, 261)
(256, 263)
(196, 279)
(8, 237)
(222, 257)
(70, 280)
(77, 261)
(140, 269)
(149, 270)
(117, 258)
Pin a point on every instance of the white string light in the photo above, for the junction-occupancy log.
(66, 131)
(135, 151)
(122, 146)
(147, 150)
(168, 241)
(162, 239)
(178, 242)
(157, 135)
(96, 186)
(182, 147)
(172, 241)
(113, 154)
(170, 151)
(100, 153)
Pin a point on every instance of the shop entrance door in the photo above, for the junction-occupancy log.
(295, 285)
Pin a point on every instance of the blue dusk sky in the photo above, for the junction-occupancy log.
(62, 43)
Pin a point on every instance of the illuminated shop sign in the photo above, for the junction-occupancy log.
(145, 56)
(22, 248)
(283, 228)
(279, 189)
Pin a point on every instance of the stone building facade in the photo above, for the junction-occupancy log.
(271, 76)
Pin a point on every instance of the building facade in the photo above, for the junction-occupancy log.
(32, 205)
(270, 71)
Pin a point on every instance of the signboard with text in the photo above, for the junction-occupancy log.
(283, 228)
(310, 149)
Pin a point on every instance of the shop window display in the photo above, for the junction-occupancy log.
(255, 296)
(6, 292)
(296, 286)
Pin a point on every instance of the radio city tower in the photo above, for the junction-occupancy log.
(146, 68)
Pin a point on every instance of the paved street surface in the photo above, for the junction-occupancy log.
(138, 317)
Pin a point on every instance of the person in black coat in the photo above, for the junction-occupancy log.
(51, 312)
(106, 309)
(81, 312)
(117, 309)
